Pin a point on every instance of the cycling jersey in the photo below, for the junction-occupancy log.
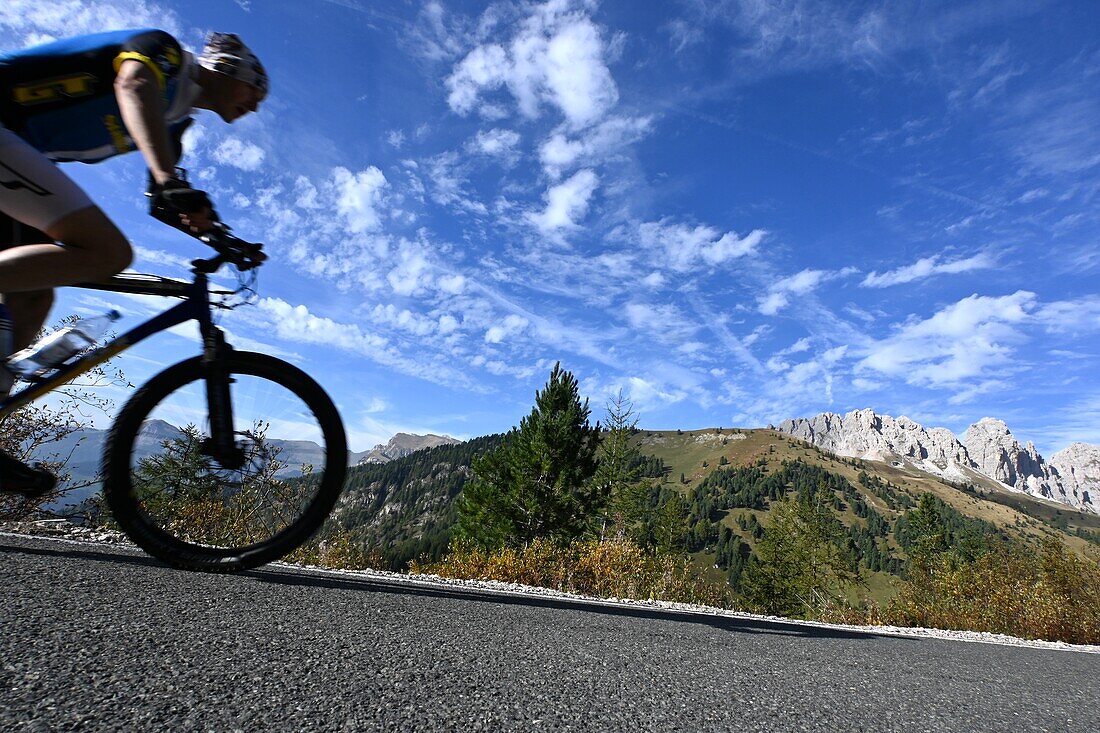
(60, 97)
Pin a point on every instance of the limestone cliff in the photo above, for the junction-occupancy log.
(987, 448)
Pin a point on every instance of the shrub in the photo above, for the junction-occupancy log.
(1049, 593)
(341, 551)
(613, 568)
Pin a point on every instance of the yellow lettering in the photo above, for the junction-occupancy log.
(51, 90)
(118, 137)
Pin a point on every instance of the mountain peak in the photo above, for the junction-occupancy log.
(400, 445)
(988, 448)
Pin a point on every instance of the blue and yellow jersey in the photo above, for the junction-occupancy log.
(60, 96)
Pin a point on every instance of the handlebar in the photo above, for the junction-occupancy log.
(231, 250)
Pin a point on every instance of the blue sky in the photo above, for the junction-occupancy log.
(735, 212)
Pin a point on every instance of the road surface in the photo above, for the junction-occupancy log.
(105, 638)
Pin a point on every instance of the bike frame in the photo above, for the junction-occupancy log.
(195, 306)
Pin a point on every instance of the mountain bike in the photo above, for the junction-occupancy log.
(224, 461)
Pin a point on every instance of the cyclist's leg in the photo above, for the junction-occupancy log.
(70, 239)
(29, 312)
(89, 247)
(34, 305)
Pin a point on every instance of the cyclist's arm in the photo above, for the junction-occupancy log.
(139, 100)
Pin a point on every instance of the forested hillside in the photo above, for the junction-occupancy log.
(405, 509)
(710, 493)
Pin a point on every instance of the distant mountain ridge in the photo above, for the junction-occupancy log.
(82, 452)
(988, 450)
(399, 446)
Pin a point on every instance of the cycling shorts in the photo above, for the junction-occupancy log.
(33, 190)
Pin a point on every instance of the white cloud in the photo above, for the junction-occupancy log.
(962, 342)
(666, 321)
(779, 294)
(413, 271)
(447, 324)
(556, 57)
(647, 394)
(685, 247)
(299, 326)
(145, 257)
(567, 202)
(486, 67)
(452, 284)
(576, 76)
(928, 267)
(358, 197)
(1071, 316)
(402, 319)
(499, 143)
(34, 21)
(512, 325)
(239, 154)
(559, 153)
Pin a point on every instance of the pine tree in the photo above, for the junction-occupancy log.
(616, 484)
(538, 483)
(927, 528)
(800, 566)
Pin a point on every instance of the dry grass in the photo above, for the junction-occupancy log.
(340, 551)
(1050, 593)
(607, 569)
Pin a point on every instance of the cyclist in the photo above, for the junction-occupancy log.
(87, 99)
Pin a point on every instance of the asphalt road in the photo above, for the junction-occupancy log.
(104, 639)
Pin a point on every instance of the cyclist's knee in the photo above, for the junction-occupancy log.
(91, 232)
(33, 299)
(118, 258)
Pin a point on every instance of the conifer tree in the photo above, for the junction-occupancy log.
(617, 483)
(800, 565)
(539, 482)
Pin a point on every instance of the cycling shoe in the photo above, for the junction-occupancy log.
(19, 478)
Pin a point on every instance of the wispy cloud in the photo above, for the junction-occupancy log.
(32, 22)
(808, 280)
(561, 152)
(684, 247)
(567, 203)
(556, 57)
(496, 143)
(240, 154)
(928, 267)
(966, 342)
(780, 36)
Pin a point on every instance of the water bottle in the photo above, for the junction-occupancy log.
(5, 332)
(54, 349)
(6, 377)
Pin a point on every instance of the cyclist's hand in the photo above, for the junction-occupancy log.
(199, 221)
(177, 204)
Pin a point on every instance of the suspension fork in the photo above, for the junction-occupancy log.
(221, 446)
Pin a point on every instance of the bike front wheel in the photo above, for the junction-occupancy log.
(169, 492)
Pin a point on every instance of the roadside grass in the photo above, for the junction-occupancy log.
(602, 569)
(1048, 593)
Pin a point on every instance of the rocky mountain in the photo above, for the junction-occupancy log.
(400, 446)
(82, 452)
(988, 450)
(1078, 465)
